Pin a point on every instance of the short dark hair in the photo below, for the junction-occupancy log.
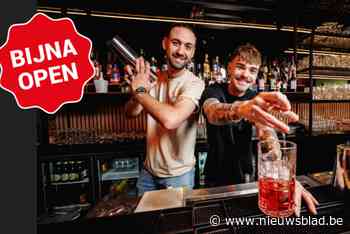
(181, 25)
(248, 53)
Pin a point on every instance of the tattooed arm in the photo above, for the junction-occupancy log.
(255, 110)
(220, 113)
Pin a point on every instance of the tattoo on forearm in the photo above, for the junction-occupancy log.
(220, 113)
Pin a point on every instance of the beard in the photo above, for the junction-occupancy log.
(239, 85)
(179, 65)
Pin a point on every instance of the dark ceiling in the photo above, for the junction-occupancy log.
(305, 13)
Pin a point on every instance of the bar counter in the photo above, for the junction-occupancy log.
(179, 210)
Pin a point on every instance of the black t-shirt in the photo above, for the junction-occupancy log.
(230, 145)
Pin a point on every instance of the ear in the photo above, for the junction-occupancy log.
(164, 42)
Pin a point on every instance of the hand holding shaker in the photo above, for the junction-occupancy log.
(126, 53)
(276, 175)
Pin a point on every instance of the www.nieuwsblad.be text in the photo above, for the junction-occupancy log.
(215, 220)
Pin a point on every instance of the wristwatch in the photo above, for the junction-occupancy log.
(140, 89)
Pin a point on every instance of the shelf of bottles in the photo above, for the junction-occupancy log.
(68, 184)
(109, 76)
(275, 74)
(107, 123)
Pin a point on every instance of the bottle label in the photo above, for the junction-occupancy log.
(261, 84)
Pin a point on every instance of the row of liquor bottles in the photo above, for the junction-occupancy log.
(277, 74)
(68, 171)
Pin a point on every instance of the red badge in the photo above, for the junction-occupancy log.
(45, 63)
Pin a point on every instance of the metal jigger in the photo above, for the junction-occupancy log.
(126, 53)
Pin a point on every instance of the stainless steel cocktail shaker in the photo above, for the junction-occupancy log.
(126, 53)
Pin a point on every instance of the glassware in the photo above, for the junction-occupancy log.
(276, 175)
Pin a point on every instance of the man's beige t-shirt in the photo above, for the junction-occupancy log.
(171, 152)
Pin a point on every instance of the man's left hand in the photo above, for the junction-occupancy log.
(257, 110)
(310, 200)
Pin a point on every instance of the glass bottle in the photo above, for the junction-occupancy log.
(199, 71)
(206, 68)
(109, 66)
(154, 66)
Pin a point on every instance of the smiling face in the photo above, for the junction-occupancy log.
(179, 47)
(242, 75)
(243, 69)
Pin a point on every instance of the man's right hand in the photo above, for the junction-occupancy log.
(141, 76)
(257, 110)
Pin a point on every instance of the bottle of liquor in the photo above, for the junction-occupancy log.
(206, 69)
(293, 84)
(154, 66)
(275, 74)
(218, 73)
(109, 66)
(261, 82)
(264, 76)
(293, 76)
(215, 71)
(115, 74)
(284, 87)
(199, 71)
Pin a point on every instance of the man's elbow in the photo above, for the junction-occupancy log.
(171, 123)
